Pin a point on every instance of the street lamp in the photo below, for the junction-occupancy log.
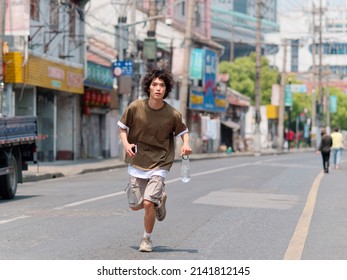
(121, 44)
(257, 135)
(186, 61)
(122, 31)
(288, 104)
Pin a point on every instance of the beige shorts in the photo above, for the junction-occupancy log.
(140, 189)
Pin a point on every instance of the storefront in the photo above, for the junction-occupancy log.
(52, 91)
(207, 103)
(97, 119)
(206, 111)
(234, 122)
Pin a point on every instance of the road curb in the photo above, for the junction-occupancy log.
(96, 169)
(39, 177)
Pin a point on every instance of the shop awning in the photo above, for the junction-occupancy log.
(231, 124)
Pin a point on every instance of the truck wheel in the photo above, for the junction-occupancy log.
(8, 183)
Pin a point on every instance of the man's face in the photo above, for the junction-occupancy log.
(157, 89)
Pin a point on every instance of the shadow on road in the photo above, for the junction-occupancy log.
(166, 249)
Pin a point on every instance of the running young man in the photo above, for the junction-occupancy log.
(147, 130)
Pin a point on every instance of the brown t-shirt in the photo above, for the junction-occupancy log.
(153, 132)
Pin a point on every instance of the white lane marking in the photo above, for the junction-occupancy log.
(13, 219)
(166, 182)
(88, 200)
(122, 192)
(225, 168)
(297, 243)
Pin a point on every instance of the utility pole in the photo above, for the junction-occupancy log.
(2, 33)
(133, 28)
(232, 44)
(152, 59)
(281, 101)
(152, 23)
(313, 90)
(122, 38)
(186, 60)
(122, 33)
(320, 70)
(257, 136)
(133, 54)
(327, 100)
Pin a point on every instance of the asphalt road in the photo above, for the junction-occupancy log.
(246, 208)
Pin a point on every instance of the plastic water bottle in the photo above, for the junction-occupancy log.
(185, 169)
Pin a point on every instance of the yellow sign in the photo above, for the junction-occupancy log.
(43, 73)
(196, 99)
(221, 102)
(13, 71)
(272, 112)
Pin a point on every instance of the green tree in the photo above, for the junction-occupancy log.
(301, 101)
(339, 118)
(242, 76)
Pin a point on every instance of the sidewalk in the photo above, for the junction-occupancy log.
(61, 168)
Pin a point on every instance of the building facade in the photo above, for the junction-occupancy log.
(234, 24)
(45, 70)
(145, 42)
(315, 40)
(303, 36)
(98, 130)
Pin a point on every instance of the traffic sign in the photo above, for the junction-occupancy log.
(122, 68)
(117, 71)
(300, 88)
(288, 97)
(333, 104)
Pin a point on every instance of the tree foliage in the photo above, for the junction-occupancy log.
(242, 74)
(242, 78)
(339, 118)
(302, 101)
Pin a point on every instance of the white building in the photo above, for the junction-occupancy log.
(298, 33)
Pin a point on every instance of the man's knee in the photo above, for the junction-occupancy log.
(148, 205)
(136, 208)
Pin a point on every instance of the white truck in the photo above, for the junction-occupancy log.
(18, 137)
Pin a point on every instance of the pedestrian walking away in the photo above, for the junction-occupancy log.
(325, 147)
(337, 147)
(148, 129)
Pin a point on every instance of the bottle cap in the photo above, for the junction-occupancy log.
(185, 156)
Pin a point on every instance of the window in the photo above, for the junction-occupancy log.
(72, 23)
(183, 6)
(295, 55)
(35, 10)
(332, 48)
(54, 15)
(198, 12)
(240, 6)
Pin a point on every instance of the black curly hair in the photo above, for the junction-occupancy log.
(160, 73)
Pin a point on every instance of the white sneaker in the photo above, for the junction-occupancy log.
(160, 211)
(146, 245)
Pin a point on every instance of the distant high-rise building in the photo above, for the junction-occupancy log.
(297, 30)
(234, 24)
